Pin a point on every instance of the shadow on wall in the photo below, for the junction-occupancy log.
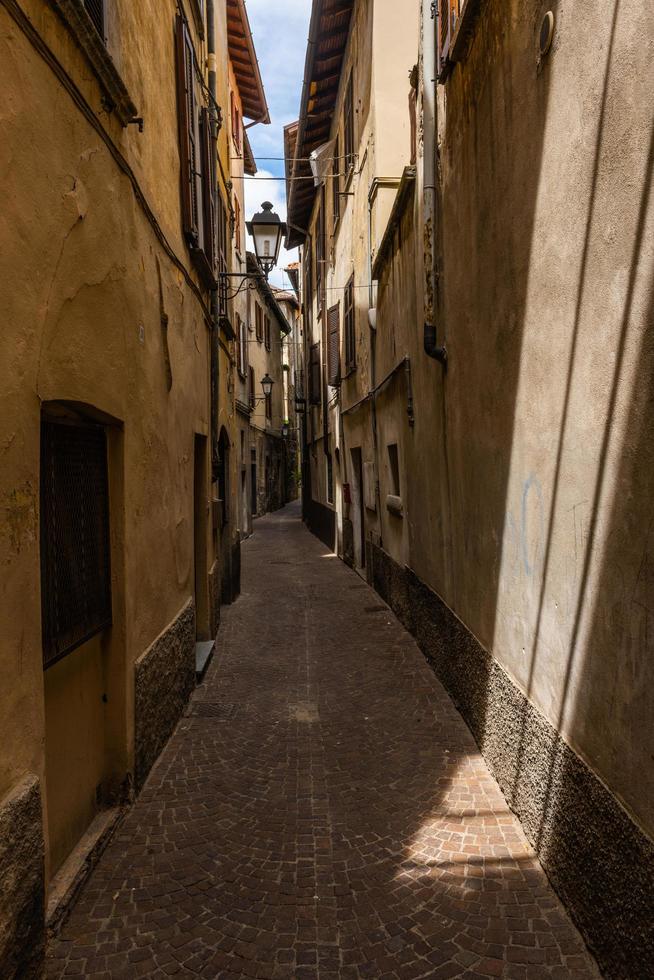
(617, 667)
(600, 863)
(569, 816)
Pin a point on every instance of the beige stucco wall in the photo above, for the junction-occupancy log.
(80, 291)
(380, 54)
(529, 470)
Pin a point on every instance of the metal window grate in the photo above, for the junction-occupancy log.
(95, 10)
(75, 567)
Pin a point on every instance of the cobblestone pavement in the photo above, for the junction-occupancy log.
(322, 813)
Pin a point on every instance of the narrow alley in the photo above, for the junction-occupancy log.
(321, 811)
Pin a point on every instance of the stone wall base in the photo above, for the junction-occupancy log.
(164, 677)
(215, 590)
(597, 858)
(22, 883)
(321, 521)
(348, 542)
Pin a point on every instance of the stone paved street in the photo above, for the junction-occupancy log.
(322, 811)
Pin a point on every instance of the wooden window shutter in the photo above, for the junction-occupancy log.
(334, 350)
(315, 375)
(186, 115)
(208, 191)
(336, 184)
(349, 327)
(95, 10)
(252, 395)
(348, 113)
(448, 16)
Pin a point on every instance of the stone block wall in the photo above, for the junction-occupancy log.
(164, 677)
(598, 859)
(22, 883)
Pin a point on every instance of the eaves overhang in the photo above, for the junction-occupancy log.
(245, 64)
(329, 31)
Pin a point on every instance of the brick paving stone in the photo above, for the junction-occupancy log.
(332, 816)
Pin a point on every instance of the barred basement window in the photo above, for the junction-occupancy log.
(95, 10)
(75, 565)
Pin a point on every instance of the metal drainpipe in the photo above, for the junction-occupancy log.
(431, 218)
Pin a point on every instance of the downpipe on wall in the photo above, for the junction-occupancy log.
(430, 196)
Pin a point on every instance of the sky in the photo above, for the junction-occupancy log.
(280, 30)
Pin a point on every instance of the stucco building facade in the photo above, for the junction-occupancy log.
(116, 364)
(262, 449)
(476, 429)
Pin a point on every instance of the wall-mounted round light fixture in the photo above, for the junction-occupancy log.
(546, 33)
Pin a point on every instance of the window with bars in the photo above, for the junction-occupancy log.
(348, 124)
(95, 10)
(258, 320)
(349, 327)
(75, 543)
(267, 332)
(334, 348)
(315, 386)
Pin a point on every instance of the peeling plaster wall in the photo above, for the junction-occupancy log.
(80, 290)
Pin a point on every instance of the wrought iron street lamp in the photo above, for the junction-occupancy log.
(267, 231)
(267, 385)
(285, 429)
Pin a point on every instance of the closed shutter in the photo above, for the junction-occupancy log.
(349, 328)
(334, 350)
(208, 191)
(187, 114)
(221, 253)
(336, 184)
(314, 375)
(348, 123)
(449, 12)
(252, 395)
(95, 10)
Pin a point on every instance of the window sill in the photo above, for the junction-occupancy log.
(116, 97)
